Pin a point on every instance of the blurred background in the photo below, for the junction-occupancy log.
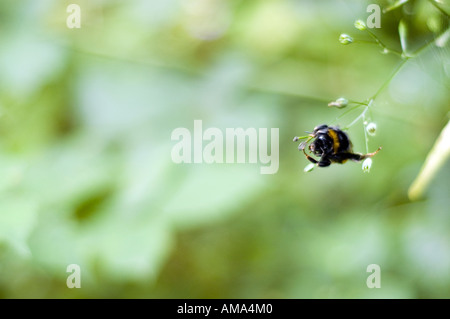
(86, 176)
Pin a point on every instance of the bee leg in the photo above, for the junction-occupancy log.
(359, 157)
(309, 158)
(324, 162)
(370, 154)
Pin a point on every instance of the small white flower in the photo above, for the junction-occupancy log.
(371, 128)
(366, 165)
(345, 39)
(309, 168)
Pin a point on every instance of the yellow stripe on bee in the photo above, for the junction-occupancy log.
(335, 138)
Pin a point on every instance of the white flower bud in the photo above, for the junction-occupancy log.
(371, 129)
(345, 39)
(366, 165)
(360, 25)
(309, 168)
(340, 103)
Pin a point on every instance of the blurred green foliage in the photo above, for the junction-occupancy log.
(87, 178)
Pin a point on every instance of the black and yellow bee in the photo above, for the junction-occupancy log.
(332, 145)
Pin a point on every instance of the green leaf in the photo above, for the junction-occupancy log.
(127, 248)
(17, 218)
(210, 192)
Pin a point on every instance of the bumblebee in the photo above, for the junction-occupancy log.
(332, 145)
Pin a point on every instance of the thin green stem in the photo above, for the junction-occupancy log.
(301, 137)
(385, 49)
(376, 39)
(283, 92)
(378, 43)
(391, 77)
(400, 54)
(349, 111)
(382, 45)
(364, 41)
(365, 135)
(383, 86)
(357, 102)
(399, 67)
(428, 44)
(358, 118)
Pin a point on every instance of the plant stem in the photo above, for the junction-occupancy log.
(402, 63)
(435, 160)
(391, 77)
(426, 45)
(357, 119)
(438, 7)
(349, 110)
(365, 135)
(382, 45)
